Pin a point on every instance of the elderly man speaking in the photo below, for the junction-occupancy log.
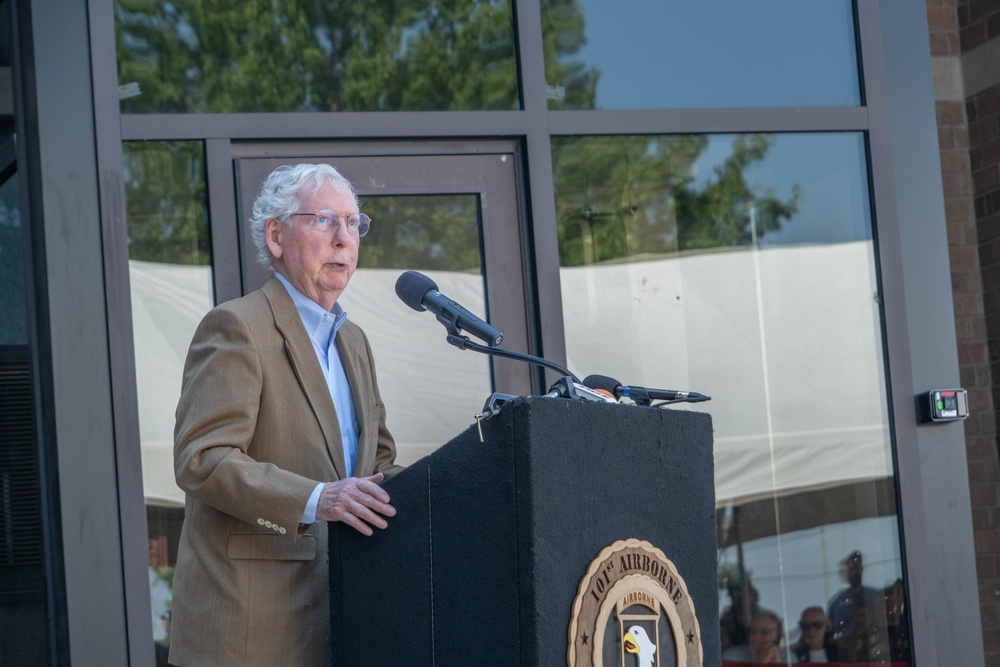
(280, 428)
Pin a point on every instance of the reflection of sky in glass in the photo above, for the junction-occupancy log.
(668, 54)
(833, 205)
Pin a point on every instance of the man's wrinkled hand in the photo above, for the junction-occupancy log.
(770, 656)
(357, 501)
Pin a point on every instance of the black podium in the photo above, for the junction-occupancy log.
(483, 561)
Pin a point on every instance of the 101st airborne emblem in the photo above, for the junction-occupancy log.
(632, 609)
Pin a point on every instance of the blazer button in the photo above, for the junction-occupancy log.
(260, 522)
(275, 527)
(282, 530)
(268, 524)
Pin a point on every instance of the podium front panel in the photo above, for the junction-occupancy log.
(482, 562)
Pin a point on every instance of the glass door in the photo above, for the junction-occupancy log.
(456, 219)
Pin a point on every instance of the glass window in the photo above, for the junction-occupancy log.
(742, 267)
(23, 587)
(727, 53)
(302, 55)
(170, 275)
(438, 235)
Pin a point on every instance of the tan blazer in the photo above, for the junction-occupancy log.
(256, 431)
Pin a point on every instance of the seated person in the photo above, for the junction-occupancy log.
(765, 641)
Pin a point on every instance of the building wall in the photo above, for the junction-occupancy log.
(100, 529)
(965, 51)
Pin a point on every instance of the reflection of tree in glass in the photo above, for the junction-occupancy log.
(564, 34)
(438, 232)
(165, 202)
(721, 212)
(311, 55)
(636, 196)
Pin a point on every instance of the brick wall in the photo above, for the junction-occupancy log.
(969, 139)
(978, 21)
(984, 116)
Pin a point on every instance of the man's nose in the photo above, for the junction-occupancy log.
(341, 233)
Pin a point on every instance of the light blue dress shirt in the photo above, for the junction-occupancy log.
(322, 328)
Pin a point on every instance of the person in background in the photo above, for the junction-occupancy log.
(842, 607)
(280, 428)
(890, 631)
(161, 646)
(816, 644)
(764, 645)
(735, 619)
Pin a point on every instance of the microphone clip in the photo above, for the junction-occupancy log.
(565, 387)
(449, 318)
(458, 340)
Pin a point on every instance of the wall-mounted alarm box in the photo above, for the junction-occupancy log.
(943, 405)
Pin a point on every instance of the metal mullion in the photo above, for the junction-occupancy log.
(382, 125)
(543, 291)
(222, 220)
(715, 121)
(351, 148)
(121, 350)
(911, 251)
(896, 344)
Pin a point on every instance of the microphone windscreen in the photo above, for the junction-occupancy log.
(602, 382)
(411, 287)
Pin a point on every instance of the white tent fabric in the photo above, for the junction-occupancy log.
(784, 339)
(168, 301)
(431, 388)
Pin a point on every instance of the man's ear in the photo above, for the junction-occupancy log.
(273, 232)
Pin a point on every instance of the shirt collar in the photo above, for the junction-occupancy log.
(312, 314)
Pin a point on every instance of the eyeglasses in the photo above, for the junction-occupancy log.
(328, 221)
(815, 625)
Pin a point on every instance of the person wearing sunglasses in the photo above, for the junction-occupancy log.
(280, 429)
(816, 643)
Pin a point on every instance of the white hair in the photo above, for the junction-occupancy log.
(280, 197)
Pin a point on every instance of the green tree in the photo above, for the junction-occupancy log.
(316, 55)
(728, 211)
(627, 197)
(564, 34)
(310, 55)
(165, 195)
(431, 232)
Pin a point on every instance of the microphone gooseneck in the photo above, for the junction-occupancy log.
(463, 343)
(421, 293)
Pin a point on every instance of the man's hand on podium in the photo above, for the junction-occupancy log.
(356, 501)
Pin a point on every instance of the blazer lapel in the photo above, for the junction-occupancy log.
(306, 367)
(353, 356)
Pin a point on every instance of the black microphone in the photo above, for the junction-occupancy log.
(640, 395)
(421, 293)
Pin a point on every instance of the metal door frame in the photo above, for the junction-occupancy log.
(491, 170)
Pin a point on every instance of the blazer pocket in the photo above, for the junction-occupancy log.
(261, 546)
